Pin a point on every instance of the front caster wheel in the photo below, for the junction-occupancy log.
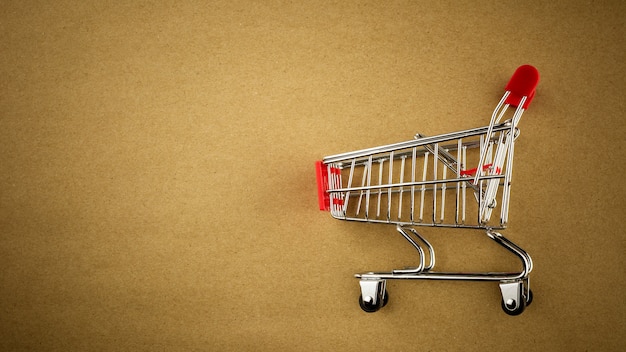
(370, 307)
(511, 307)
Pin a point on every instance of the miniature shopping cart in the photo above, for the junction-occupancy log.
(457, 180)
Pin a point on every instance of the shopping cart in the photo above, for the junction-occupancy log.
(457, 180)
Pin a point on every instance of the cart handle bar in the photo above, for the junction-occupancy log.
(522, 84)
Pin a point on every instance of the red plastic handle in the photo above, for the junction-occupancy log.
(522, 83)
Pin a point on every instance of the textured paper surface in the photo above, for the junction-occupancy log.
(157, 183)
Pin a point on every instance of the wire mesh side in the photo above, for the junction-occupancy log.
(427, 184)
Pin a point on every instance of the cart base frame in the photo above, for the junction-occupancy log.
(514, 286)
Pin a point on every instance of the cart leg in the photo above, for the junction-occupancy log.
(406, 232)
(516, 293)
(373, 294)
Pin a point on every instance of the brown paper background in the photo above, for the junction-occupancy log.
(157, 189)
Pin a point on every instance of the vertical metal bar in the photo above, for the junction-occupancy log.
(506, 193)
(390, 183)
(443, 194)
(368, 191)
(464, 187)
(401, 188)
(435, 177)
(413, 170)
(492, 185)
(331, 185)
(483, 152)
(345, 203)
(458, 184)
(365, 173)
(480, 201)
(342, 195)
(380, 182)
(498, 160)
(486, 211)
(423, 189)
(338, 185)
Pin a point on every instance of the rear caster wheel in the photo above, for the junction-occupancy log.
(511, 307)
(370, 307)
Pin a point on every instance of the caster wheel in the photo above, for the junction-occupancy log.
(511, 309)
(515, 297)
(371, 308)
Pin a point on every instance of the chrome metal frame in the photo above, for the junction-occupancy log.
(415, 178)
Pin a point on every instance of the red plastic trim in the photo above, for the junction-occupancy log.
(523, 83)
(472, 172)
(323, 198)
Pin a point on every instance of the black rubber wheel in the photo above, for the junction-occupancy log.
(515, 311)
(371, 308)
